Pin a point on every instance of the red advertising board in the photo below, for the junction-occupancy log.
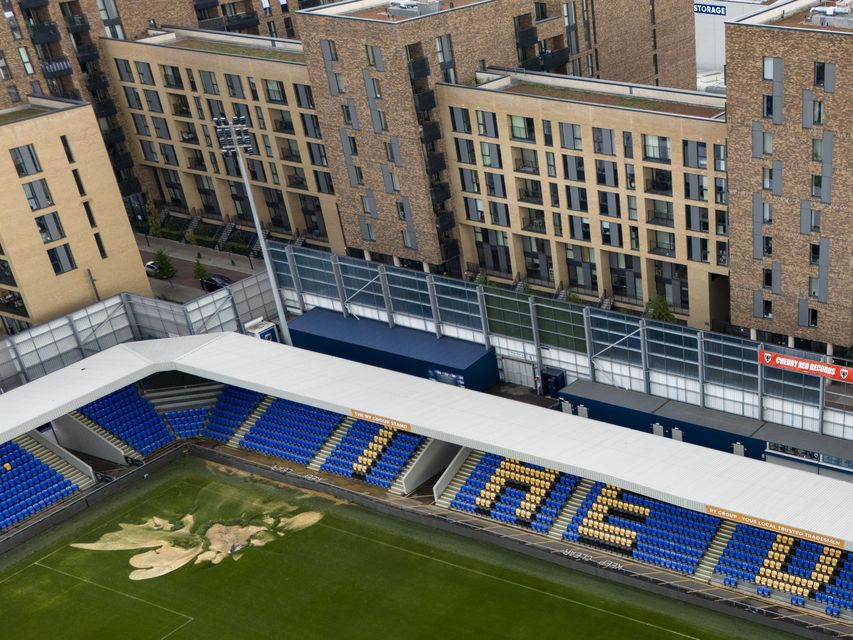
(801, 365)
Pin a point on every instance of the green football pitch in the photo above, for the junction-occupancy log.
(301, 565)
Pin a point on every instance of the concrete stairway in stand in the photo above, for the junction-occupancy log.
(126, 449)
(330, 444)
(459, 479)
(179, 398)
(249, 422)
(54, 462)
(705, 569)
(570, 509)
(397, 486)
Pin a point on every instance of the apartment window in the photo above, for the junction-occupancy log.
(140, 123)
(79, 182)
(602, 141)
(234, 84)
(570, 136)
(813, 317)
(61, 259)
(272, 30)
(367, 232)
(377, 88)
(143, 70)
(656, 148)
(209, 83)
(491, 155)
(767, 309)
(766, 213)
(26, 161)
(632, 207)
(359, 175)
(551, 163)
(817, 185)
(547, 133)
(460, 119)
(50, 228)
(152, 99)
(814, 254)
(374, 55)
(89, 215)
(339, 83)
(408, 239)
(767, 278)
(474, 209)
(38, 194)
(464, 151)
(161, 128)
(814, 220)
(768, 64)
(628, 144)
(767, 178)
(333, 50)
(817, 111)
(767, 246)
(695, 154)
(487, 124)
(814, 285)
(304, 96)
(819, 74)
(346, 111)
(817, 150)
(767, 143)
(353, 146)
(720, 153)
(172, 76)
(125, 73)
(767, 107)
(100, 244)
(14, 96)
(383, 121)
(368, 205)
(444, 49)
(149, 152)
(5, 74)
(25, 60)
(274, 91)
(522, 128)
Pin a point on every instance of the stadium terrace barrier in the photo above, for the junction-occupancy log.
(529, 332)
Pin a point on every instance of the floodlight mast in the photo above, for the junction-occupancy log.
(234, 139)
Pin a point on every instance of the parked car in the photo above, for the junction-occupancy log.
(151, 270)
(214, 282)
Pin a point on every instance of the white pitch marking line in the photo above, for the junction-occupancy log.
(187, 619)
(512, 582)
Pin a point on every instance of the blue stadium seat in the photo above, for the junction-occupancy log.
(232, 407)
(28, 486)
(131, 418)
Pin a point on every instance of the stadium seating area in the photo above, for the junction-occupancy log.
(187, 423)
(781, 563)
(232, 407)
(291, 430)
(131, 418)
(514, 492)
(649, 530)
(27, 485)
(372, 452)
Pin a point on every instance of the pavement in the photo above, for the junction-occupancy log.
(183, 287)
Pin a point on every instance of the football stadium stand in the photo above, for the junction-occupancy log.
(233, 406)
(186, 423)
(674, 506)
(291, 430)
(131, 418)
(372, 452)
(27, 485)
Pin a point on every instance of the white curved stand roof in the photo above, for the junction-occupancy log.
(694, 477)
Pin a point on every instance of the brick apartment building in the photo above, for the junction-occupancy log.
(789, 152)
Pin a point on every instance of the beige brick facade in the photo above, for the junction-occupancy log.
(176, 148)
(604, 200)
(51, 235)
